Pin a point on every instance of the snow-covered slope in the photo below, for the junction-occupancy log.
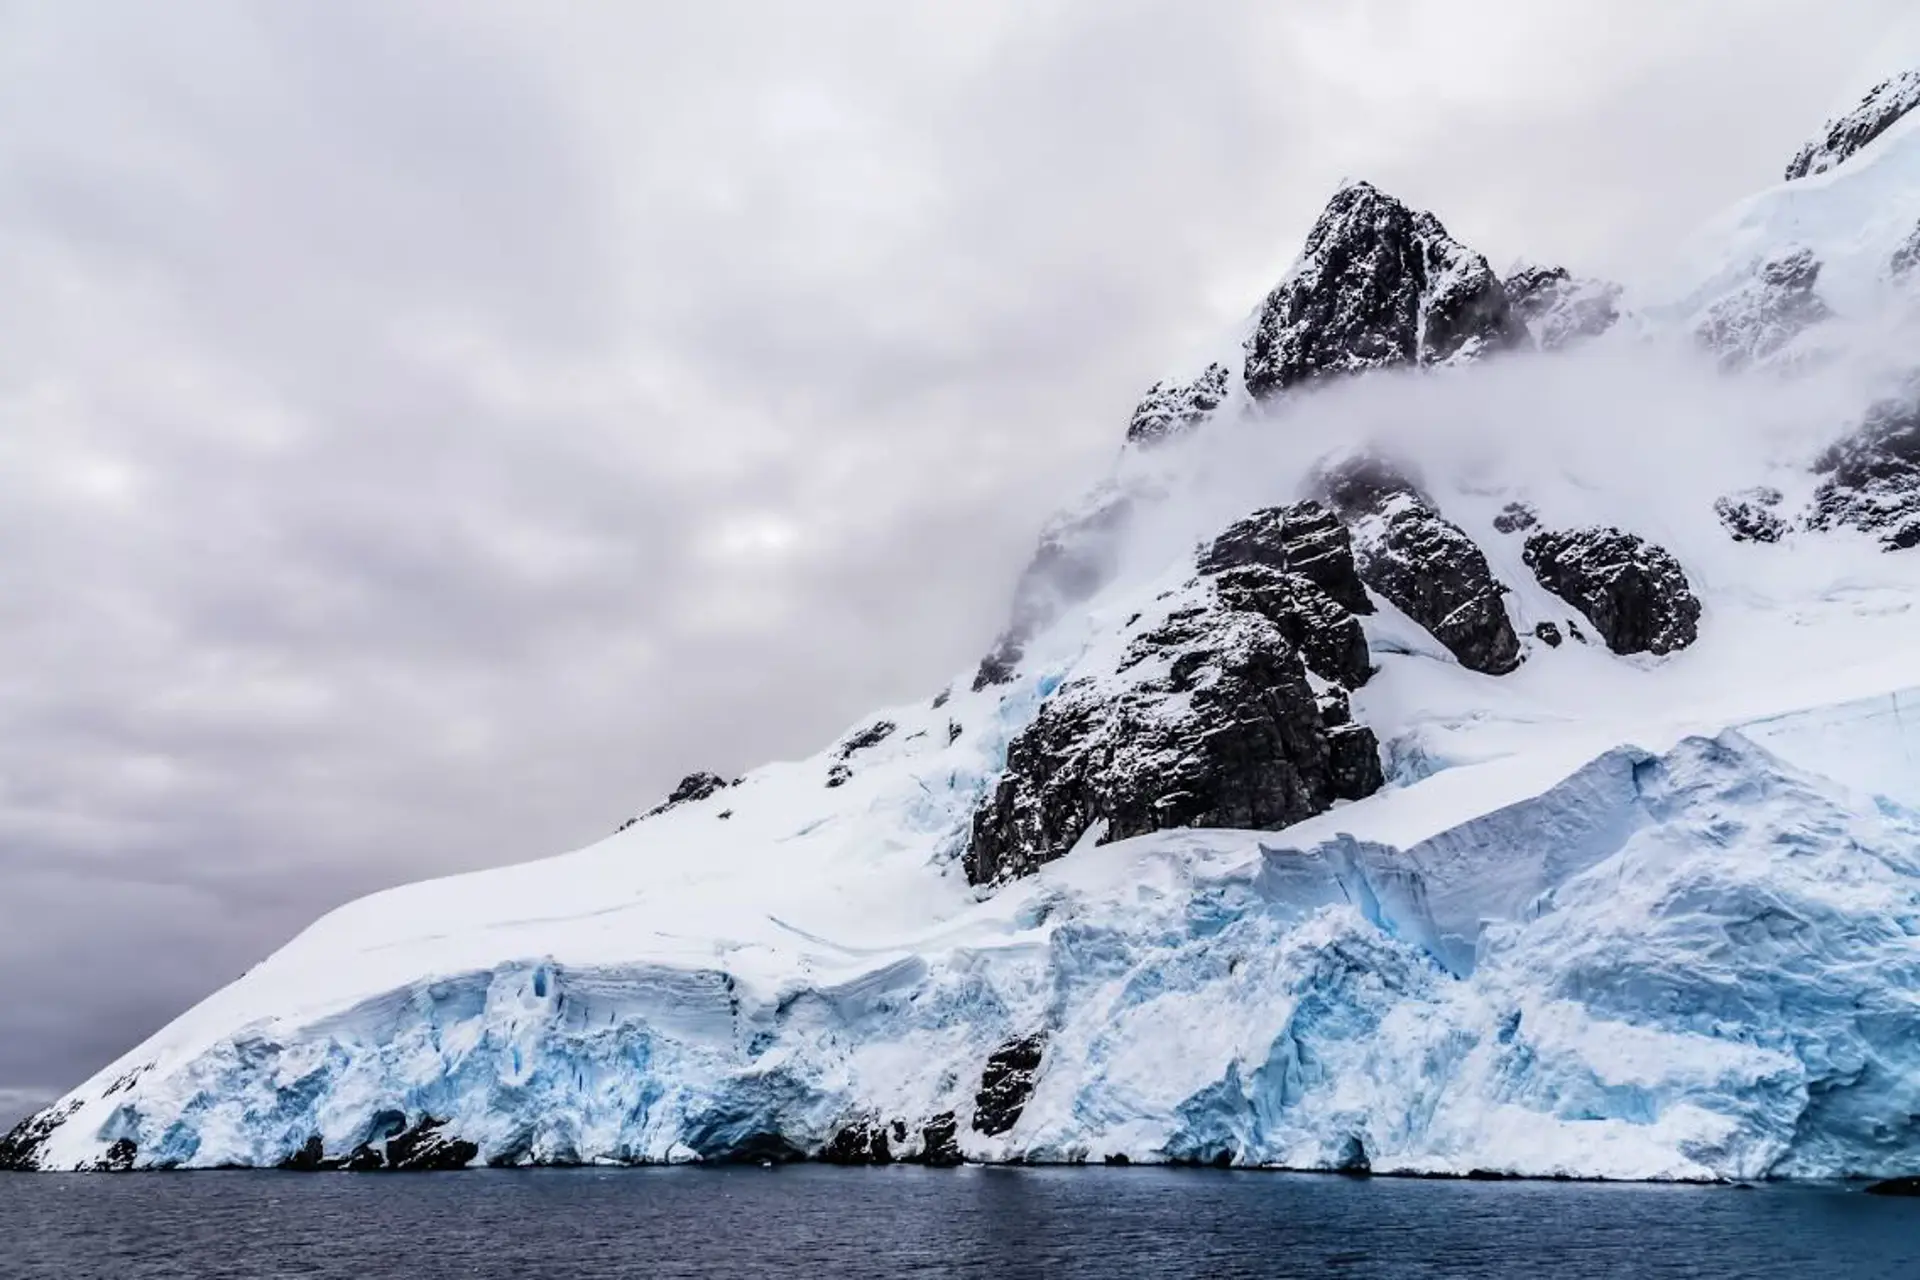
(1578, 729)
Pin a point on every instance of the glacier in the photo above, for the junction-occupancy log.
(1611, 916)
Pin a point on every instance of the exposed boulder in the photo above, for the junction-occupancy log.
(1750, 515)
(1757, 321)
(1906, 257)
(1548, 633)
(1078, 552)
(1873, 476)
(1171, 408)
(1006, 1083)
(1634, 592)
(1426, 565)
(1377, 286)
(1846, 136)
(1560, 309)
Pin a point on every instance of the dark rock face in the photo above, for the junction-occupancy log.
(310, 1158)
(1755, 322)
(872, 736)
(1426, 565)
(1076, 556)
(1514, 517)
(1873, 476)
(695, 786)
(1560, 310)
(394, 1147)
(424, 1147)
(1208, 718)
(939, 1141)
(1304, 539)
(861, 1142)
(118, 1157)
(20, 1148)
(1845, 137)
(1635, 593)
(1006, 1083)
(1378, 286)
(1171, 408)
(1749, 516)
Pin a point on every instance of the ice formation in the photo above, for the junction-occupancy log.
(1652, 913)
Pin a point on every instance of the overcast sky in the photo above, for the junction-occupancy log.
(432, 429)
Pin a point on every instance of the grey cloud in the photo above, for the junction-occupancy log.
(429, 432)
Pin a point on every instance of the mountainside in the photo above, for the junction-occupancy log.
(1466, 732)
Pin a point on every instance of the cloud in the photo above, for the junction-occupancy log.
(430, 432)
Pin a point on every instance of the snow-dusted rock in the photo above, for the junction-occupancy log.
(1846, 136)
(1169, 408)
(1873, 476)
(1635, 593)
(1752, 515)
(1206, 719)
(1378, 286)
(1761, 319)
(1559, 309)
(1423, 563)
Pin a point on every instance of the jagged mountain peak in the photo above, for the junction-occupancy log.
(1846, 135)
(1378, 285)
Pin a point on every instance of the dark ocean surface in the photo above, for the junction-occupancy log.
(974, 1222)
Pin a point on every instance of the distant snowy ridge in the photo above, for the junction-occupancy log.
(1467, 731)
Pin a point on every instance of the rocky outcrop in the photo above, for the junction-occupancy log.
(1634, 593)
(1208, 717)
(695, 786)
(1378, 286)
(1078, 553)
(1847, 136)
(1757, 321)
(1560, 309)
(1515, 517)
(1424, 564)
(1873, 476)
(1006, 1083)
(20, 1148)
(872, 736)
(1305, 539)
(1750, 515)
(1170, 408)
